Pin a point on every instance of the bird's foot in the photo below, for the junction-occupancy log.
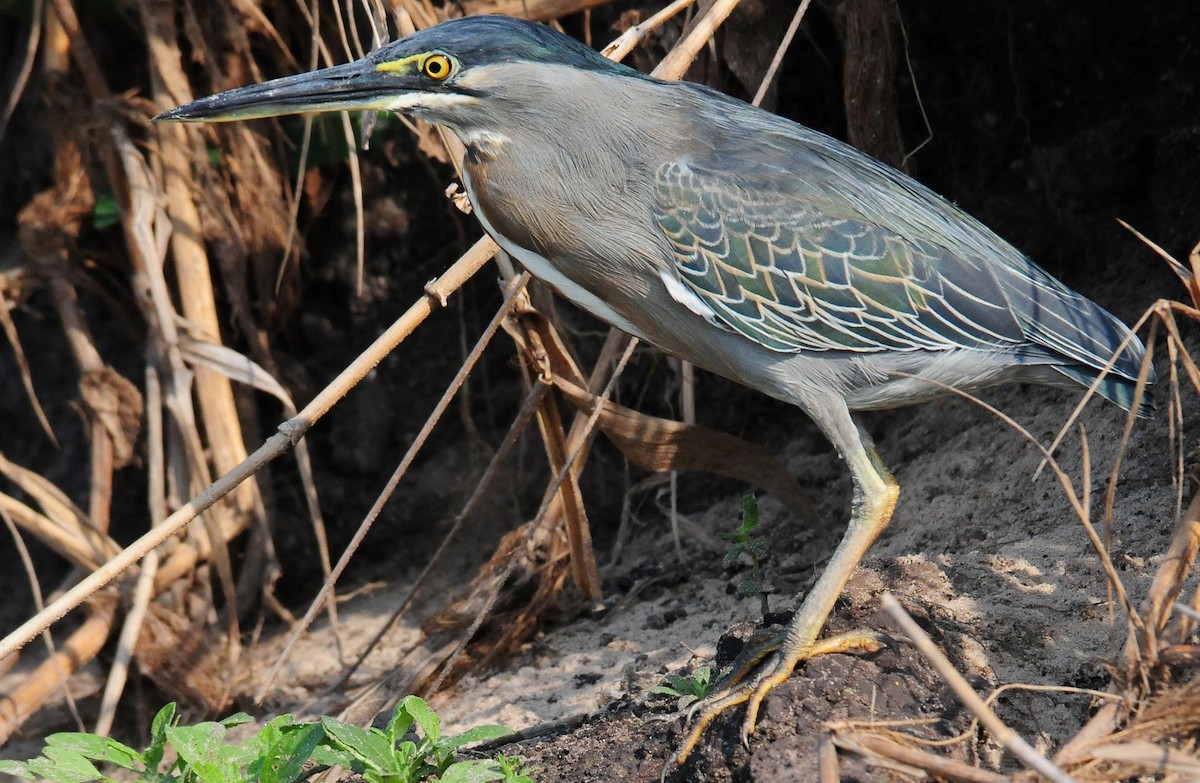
(764, 664)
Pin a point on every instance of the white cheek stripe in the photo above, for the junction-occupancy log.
(427, 100)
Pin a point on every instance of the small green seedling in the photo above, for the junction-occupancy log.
(687, 689)
(757, 548)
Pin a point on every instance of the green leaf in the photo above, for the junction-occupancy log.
(513, 769)
(732, 555)
(203, 748)
(477, 734)
(237, 719)
(400, 723)
(331, 756)
(759, 548)
(96, 748)
(369, 746)
(473, 771)
(285, 759)
(426, 718)
(163, 720)
(106, 213)
(18, 769)
(64, 766)
(749, 513)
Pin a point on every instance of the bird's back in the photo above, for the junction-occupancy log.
(973, 290)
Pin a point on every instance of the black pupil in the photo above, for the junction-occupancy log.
(435, 67)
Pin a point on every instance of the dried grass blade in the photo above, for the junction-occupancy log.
(10, 332)
(233, 365)
(1149, 756)
(932, 764)
(579, 536)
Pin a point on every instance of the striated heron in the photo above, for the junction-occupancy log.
(743, 242)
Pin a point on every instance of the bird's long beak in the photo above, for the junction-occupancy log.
(354, 86)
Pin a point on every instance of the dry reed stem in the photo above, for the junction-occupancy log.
(104, 401)
(289, 431)
(1149, 757)
(1168, 581)
(780, 51)
(511, 438)
(193, 275)
(514, 289)
(579, 537)
(81, 646)
(68, 543)
(627, 41)
(60, 522)
(578, 447)
(681, 56)
(35, 590)
(21, 78)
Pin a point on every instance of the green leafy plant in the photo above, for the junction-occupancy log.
(388, 757)
(283, 751)
(687, 689)
(743, 542)
(202, 753)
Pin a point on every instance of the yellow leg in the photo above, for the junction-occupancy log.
(876, 493)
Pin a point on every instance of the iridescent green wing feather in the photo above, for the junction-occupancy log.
(800, 277)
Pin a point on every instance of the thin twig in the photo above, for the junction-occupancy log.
(510, 440)
(1012, 741)
(551, 493)
(323, 594)
(780, 51)
(289, 431)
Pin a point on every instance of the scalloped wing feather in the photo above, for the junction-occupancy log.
(796, 279)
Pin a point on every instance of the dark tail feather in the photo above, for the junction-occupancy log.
(1115, 388)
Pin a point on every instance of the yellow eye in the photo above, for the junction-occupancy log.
(436, 66)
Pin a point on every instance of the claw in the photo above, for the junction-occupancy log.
(749, 684)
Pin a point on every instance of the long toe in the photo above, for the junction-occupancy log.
(775, 659)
